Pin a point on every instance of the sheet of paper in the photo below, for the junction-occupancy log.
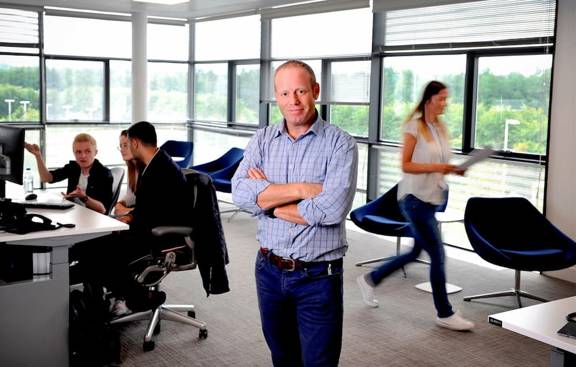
(477, 155)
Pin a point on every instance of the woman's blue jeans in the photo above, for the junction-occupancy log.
(427, 237)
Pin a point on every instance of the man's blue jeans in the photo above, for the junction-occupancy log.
(301, 312)
(424, 226)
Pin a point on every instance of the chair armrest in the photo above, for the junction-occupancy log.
(164, 230)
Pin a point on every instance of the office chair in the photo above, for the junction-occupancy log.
(117, 178)
(152, 269)
(180, 151)
(221, 171)
(512, 233)
(383, 216)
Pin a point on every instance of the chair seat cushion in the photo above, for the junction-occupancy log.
(539, 259)
(385, 226)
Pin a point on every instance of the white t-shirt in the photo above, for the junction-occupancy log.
(83, 181)
(129, 198)
(428, 187)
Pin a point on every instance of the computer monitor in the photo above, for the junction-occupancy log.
(11, 156)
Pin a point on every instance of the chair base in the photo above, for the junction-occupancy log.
(164, 312)
(516, 292)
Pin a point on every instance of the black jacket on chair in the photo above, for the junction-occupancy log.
(210, 245)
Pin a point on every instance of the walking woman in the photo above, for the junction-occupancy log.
(425, 157)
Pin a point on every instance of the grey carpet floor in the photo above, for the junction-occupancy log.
(401, 332)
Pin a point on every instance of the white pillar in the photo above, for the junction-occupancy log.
(139, 67)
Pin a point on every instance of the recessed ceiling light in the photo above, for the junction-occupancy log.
(163, 2)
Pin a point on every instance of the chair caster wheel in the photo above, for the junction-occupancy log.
(192, 314)
(157, 329)
(148, 346)
(203, 334)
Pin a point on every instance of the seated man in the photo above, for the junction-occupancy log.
(89, 182)
(160, 201)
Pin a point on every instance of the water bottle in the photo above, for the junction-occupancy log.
(28, 181)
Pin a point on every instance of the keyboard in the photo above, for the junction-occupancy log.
(46, 204)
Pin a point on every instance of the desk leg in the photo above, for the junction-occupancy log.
(561, 358)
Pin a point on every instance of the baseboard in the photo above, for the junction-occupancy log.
(568, 274)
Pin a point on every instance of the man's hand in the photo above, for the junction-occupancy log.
(126, 218)
(33, 148)
(121, 210)
(310, 190)
(256, 174)
(78, 193)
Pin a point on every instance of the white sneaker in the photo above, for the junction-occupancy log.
(367, 291)
(455, 322)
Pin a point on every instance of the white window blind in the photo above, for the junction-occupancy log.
(485, 23)
(18, 28)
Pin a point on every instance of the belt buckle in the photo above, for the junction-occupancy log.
(292, 262)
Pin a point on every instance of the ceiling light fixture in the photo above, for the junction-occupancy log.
(162, 2)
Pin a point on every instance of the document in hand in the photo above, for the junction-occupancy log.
(477, 155)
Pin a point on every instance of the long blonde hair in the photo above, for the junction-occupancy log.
(134, 168)
(432, 88)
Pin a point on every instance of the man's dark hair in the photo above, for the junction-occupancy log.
(143, 131)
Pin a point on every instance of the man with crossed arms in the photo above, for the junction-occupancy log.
(299, 179)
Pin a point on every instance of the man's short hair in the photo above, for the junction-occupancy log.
(143, 131)
(298, 64)
(83, 137)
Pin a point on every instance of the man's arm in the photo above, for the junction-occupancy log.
(45, 175)
(332, 205)
(290, 213)
(280, 194)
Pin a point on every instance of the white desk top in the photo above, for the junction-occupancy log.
(87, 222)
(541, 322)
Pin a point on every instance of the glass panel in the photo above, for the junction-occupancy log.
(87, 37)
(228, 39)
(247, 93)
(19, 88)
(353, 119)
(512, 103)
(120, 91)
(316, 66)
(350, 81)
(167, 42)
(209, 145)
(18, 26)
(74, 90)
(211, 92)
(59, 141)
(167, 92)
(403, 81)
(326, 34)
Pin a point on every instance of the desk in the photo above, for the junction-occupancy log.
(34, 314)
(541, 322)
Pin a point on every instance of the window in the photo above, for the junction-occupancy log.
(120, 91)
(513, 96)
(74, 90)
(210, 92)
(167, 92)
(87, 37)
(403, 80)
(19, 31)
(350, 95)
(19, 88)
(228, 39)
(247, 93)
(326, 34)
(162, 39)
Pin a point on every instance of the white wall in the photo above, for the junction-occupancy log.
(561, 183)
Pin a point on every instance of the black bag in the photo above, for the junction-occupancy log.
(92, 340)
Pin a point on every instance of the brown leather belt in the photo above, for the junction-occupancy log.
(283, 263)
